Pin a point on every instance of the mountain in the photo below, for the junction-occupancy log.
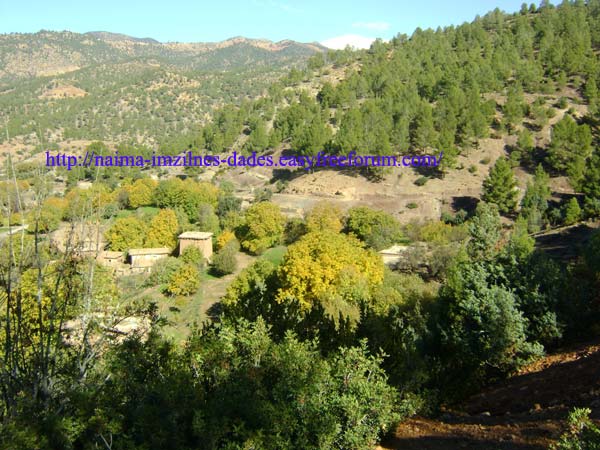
(49, 53)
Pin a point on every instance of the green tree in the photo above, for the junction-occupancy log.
(207, 219)
(499, 186)
(572, 212)
(485, 230)
(571, 145)
(376, 228)
(535, 201)
(224, 261)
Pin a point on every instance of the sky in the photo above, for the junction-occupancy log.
(332, 22)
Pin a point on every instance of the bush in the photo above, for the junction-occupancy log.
(582, 434)
(421, 181)
(184, 281)
(562, 103)
(225, 237)
(377, 228)
(194, 256)
(412, 205)
(224, 261)
(162, 270)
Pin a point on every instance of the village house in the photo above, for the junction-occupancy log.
(111, 259)
(142, 259)
(199, 239)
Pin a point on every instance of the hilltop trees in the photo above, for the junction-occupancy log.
(499, 186)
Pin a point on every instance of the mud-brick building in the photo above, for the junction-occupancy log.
(142, 259)
(111, 259)
(199, 239)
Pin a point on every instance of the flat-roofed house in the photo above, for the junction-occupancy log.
(111, 259)
(142, 259)
(199, 239)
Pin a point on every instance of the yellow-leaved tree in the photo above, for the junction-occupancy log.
(140, 192)
(163, 230)
(126, 233)
(324, 216)
(263, 228)
(331, 270)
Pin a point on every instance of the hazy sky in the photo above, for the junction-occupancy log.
(194, 21)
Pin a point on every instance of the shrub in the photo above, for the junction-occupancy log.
(562, 103)
(194, 256)
(225, 237)
(224, 261)
(421, 181)
(184, 281)
(582, 434)
(162, 270)
(412, 205)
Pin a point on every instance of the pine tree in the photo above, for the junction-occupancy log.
(499, 186)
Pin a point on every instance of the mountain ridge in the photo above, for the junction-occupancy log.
(49, 53)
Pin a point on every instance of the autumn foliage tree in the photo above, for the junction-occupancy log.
(126, 233)
(163, 230)
(140, 192)
(330, 270)
(263, 228)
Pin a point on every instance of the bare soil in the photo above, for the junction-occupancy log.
(525, 412)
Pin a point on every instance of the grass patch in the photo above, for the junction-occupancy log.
(275, 254)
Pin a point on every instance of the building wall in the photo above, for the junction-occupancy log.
(205, 246)
(144, 261)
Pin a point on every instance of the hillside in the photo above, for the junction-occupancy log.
(525, 412)
(49, 53)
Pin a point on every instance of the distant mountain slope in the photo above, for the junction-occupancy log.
(49, 53)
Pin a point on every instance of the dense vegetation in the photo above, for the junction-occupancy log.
(327, 347)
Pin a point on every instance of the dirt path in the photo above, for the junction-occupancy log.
(525, 412)
(213, 290)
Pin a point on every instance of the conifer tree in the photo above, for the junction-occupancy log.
(499, 186)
